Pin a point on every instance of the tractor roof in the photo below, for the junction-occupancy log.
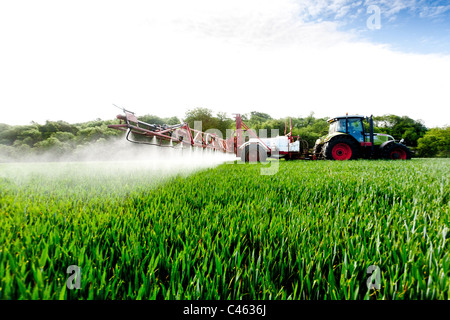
(343, 117)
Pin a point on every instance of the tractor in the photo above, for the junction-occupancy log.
(349, 138)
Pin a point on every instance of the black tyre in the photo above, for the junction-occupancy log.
(340, 148)
(253, 153)
(395, 151)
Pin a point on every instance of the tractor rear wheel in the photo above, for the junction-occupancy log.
(396, 151)
(253, 153)
(340, 149)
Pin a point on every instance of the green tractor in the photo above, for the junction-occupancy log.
(348, 138)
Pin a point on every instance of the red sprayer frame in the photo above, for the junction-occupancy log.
(174, 135)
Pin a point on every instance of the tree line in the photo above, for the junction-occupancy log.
(62, 137)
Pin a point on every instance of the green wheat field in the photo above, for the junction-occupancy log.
(310, 231)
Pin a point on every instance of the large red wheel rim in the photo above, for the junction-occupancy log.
(341, 151)
(398, 154)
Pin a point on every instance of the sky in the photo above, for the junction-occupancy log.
(72, 60)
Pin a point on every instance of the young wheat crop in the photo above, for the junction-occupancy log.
(310, 231)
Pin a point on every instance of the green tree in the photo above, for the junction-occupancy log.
(310, 128)
(204, 115)
(4, 126)
(400, 128)
(90, 124)
(435, 143)
(9, 135)
(67, 127)
(31, 136)
(92, 134)
(258, 117)
(48, 129)
(224, 123)
(49, 143)
(172, 121)
(151, 119)
(64, 136)
(275, 124)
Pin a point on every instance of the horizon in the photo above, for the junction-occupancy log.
(214, 115)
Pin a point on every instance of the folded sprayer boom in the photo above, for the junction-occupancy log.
(170, 135)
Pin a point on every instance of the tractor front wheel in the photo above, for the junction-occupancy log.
(340, 149)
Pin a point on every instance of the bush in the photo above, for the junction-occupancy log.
(435, 143)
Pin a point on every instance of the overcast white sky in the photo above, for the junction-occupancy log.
(71, 60)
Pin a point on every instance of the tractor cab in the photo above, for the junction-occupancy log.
(352, 125)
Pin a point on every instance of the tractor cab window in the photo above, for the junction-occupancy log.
(355, 125)
(337, 126)
(355, 129)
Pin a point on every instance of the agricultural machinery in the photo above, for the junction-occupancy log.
(347, 139)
